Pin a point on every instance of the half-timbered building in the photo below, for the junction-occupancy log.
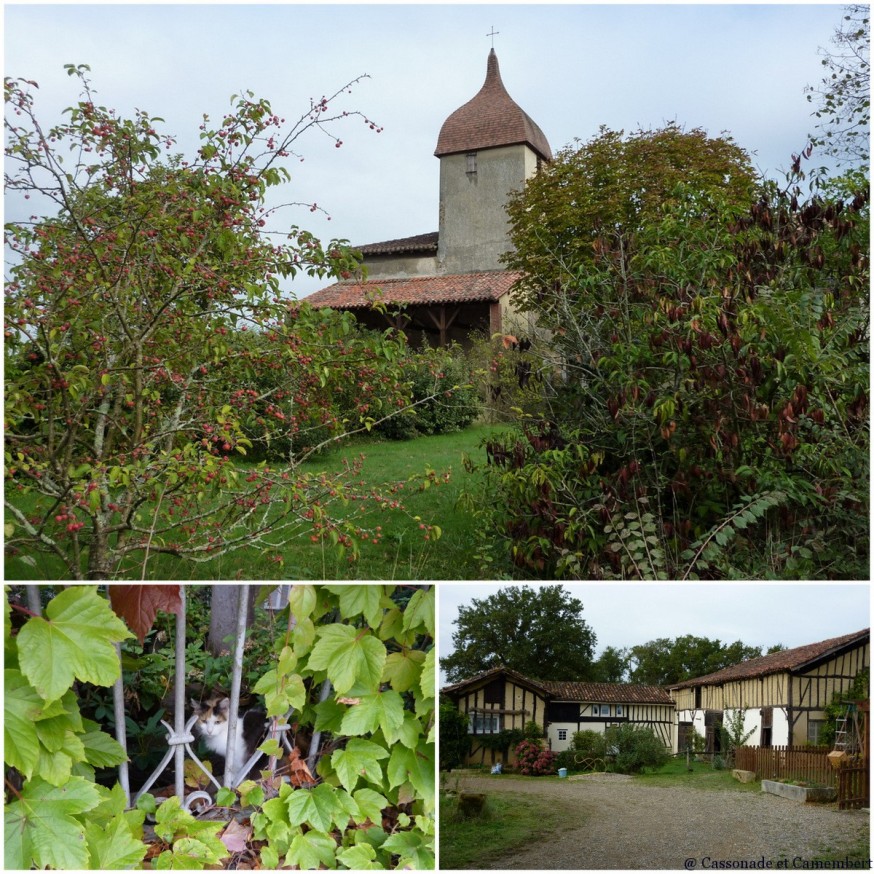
(502, 699)
(598, 706)
(783, 694)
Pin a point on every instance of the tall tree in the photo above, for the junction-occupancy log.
(147, 344)
(539, 632)
(843, 97)
(663, 661)
(611, 186)
(611, 666)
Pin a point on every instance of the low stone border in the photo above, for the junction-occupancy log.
(806, 794)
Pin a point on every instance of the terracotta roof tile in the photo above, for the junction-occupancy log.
(493, 672)
(488, 286)
(419, 243)
(492, 118)
(612, 693)
(776, 662)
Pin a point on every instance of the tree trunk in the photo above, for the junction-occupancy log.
(223, 617)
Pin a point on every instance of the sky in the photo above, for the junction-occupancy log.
(740, 69)
(758, 614)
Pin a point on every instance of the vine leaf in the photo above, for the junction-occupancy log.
(428, 681)
(420, 611)
(383, 710)
(361, 857)
(114, 847)
(316, 807)
(370, 804)
(360, 758)
(406, 765)
(312, 850)
(403, 669)
(363, 600)
(349, 656)
(42, 824)
(74, 642)
(413, 849)
(138, 605)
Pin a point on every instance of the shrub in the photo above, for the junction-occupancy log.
(635, 748)
(589, 743)
(442, 398)
(454, 739)
(534, 761)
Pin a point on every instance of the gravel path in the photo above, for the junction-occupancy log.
(615, 822)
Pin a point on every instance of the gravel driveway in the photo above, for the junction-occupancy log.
(616, 822)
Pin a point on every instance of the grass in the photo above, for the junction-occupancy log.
(508, 822)
(403, 553)
(702, 776)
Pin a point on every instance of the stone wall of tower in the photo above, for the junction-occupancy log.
(473, 218)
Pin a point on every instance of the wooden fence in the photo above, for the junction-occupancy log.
(810, 764)
(854, 786)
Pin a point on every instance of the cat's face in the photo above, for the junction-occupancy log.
(212, 714)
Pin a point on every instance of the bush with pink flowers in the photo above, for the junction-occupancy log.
(534, 761)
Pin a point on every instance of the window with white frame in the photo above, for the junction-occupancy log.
(814, 727)
(562, 734)
(485, 723)
(605, 710)
(620, 710)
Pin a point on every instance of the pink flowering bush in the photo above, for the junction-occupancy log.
(534, 761)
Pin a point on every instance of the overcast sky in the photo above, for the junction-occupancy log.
(735, 68)
(623, 615)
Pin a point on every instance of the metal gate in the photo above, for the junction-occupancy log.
(179, 737)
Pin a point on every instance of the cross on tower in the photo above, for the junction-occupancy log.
(493, 34)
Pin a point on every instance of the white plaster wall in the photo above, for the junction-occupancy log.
(780, 728)
(555, 744)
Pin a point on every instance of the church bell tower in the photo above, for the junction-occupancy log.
(487, 148)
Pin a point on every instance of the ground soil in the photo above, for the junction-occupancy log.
(617, 822)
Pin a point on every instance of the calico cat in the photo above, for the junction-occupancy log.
(212, 727)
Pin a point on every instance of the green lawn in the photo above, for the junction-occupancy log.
(508, 822)
(702, 776)
(403, 553)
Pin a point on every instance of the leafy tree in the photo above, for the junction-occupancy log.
(843, 97)
(454, 737)
(147, 344)
(711, 367)
(663, 661)
(611, 186)
(539, 632)
(611, 666)
(734, 735)
(635, 748)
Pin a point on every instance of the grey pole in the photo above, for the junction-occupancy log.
(33, 602)
(179, 717)
(120, 727)
(236, 680)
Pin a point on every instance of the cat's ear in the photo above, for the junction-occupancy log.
(195, 705)
(224, 705)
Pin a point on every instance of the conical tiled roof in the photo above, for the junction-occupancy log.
(491, 119)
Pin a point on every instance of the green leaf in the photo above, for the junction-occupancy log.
(269, 858)
(359, 759)
(361, 600)
(403, 669)
(42, 820)
(100, 749)
(370, 804)
(383, 710)
(226, 797)
(349, 655)
(315, 807)
(359, 858)
(415, 767)
(74, 642)
(419, 613)
(413, 849)
(114, 847)
(21, 707)
(312, 850)
(429, 679)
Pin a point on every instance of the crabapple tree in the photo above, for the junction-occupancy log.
(148, 346)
